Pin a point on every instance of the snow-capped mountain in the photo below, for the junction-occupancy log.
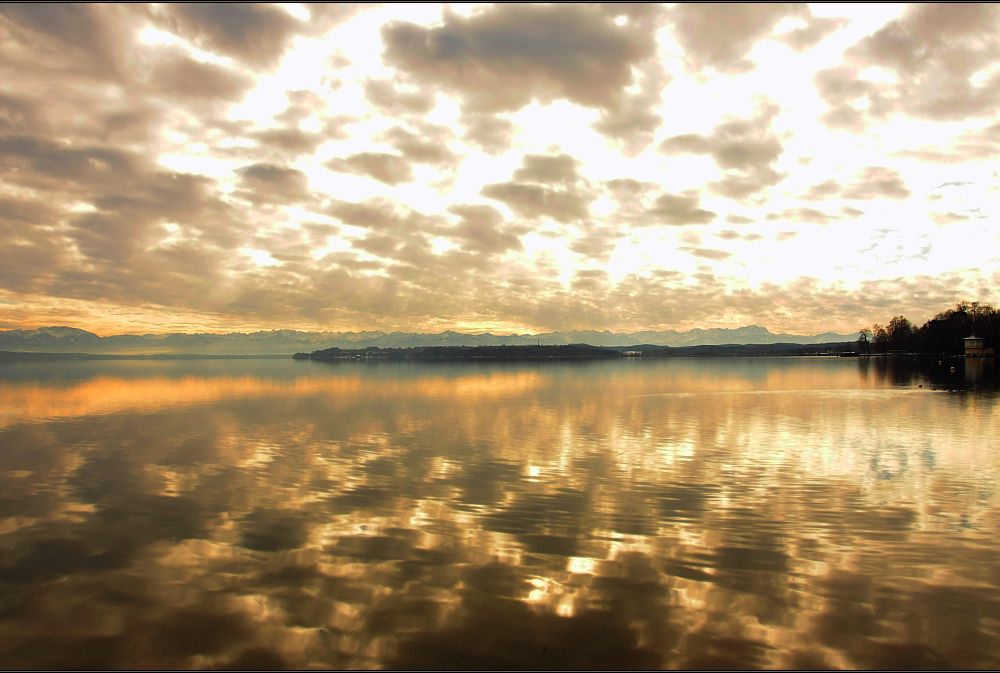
(278, 342)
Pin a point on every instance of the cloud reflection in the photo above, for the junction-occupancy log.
(684, 513)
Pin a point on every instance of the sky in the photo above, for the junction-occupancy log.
(504, 168)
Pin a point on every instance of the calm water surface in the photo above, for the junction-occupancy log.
(682, 513)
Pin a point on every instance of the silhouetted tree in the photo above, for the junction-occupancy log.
(880, 338)
(864, 341)
(899, 333)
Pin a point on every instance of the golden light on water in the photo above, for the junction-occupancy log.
(344, 513)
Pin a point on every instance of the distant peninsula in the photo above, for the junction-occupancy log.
(568, 352)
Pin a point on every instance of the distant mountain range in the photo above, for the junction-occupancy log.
(287, 342)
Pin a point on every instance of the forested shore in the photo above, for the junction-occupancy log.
(944, 334)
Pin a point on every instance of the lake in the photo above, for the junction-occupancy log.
(674, 513)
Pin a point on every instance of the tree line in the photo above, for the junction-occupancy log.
(943, 334)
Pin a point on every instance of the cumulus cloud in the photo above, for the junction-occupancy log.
(869, 183)
(973, 145)
(544, 186)
(637, 207)
(482, 229)
(389, 169)
(382, 214)
(429, 146)
(679, 210)
(91, 116)
(270, 184)
(596, 243)
(49, 165)
(254, 33)
(389, 99)
(733, 235)
(548, 169)
(745, 149)
(503, 58)
(535, 201)
(949, 218)
(494, 134)
(76, 38)
(876, 182)
(804, 215)
(707, 253)
(183, 77)
(815, 30)
(722, 35)
(935, 53)
(289, 140)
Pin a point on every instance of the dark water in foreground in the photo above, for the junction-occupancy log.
(683, 513)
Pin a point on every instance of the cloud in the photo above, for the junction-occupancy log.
(869, 183)
(118, 252)
(722, 35)
(503, 58)
(636, 208)
(732, 235)
(379, 245)
(973, 145)
(535, 201)
(707, 253)
(817, 29)
(934, 52)
(185, 78)
(389, 169)
(253, 33)
(491, 133)
(290, 140)
(482, 229)
(633, 121)
(822, 191)
(876, 182)
(302, 104)
(270, 184)
(430, 146)
(47, 165)
(390, 100)
(83, 38)
(589, 280)
(745, 149)
(679, 210)
(803, 215)
(785, 235)
(943, 219)
(733, 218)
(382, 214)
(629, 187)
(18, 115)
(597, 242)
(533, 196)
(634, 126)
(28, 211)
(548, 169)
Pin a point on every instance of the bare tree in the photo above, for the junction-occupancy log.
(864, 341)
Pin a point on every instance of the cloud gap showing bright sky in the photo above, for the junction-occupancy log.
(512, 168)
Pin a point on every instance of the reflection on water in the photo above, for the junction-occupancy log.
(682, 513)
